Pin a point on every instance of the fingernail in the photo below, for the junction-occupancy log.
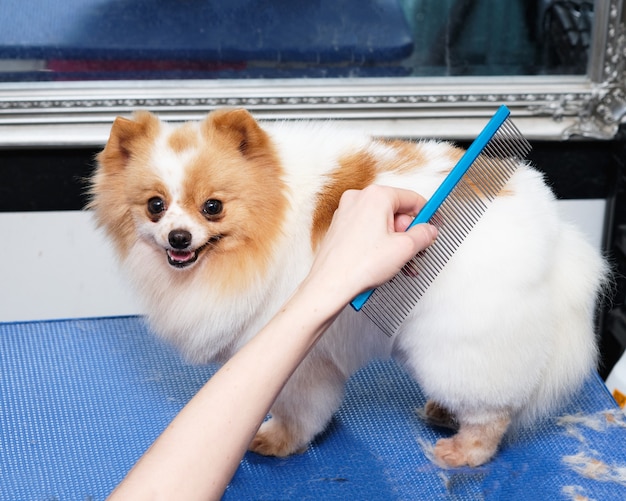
(432, 230)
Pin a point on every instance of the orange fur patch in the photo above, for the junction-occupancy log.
(355, 172)
(237, 165)
(409, 156)
(183, 138)
(456, 156)
(359, 170)
(112, 188)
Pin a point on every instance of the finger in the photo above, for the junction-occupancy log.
(402, 222)
(422, 235)
(408, 202)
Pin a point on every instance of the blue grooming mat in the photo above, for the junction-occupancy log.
(81, 400)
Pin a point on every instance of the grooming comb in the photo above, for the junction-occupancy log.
(455, 207)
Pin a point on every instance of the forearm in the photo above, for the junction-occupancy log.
(198, 453)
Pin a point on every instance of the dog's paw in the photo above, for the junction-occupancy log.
(473, 445)
(275, 439)
(453, 453)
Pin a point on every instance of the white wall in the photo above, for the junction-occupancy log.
(57, 265)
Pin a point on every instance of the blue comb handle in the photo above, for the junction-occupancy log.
(450, 182)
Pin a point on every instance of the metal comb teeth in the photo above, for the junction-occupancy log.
(492, 162)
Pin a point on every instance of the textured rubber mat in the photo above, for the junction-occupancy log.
(81, 400)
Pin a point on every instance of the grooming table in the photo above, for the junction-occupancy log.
(81, 400)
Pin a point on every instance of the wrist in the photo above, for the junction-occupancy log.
(327, 296)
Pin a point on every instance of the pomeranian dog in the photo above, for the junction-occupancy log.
(216, 223)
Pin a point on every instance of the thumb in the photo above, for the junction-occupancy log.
(422, 236)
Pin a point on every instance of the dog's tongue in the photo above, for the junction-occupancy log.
(181, 256)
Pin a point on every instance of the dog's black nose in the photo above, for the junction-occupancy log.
(179, 239)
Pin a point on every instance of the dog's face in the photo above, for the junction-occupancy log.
(202, 195)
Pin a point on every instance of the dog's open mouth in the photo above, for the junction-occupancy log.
(184, 258)
(180, 259)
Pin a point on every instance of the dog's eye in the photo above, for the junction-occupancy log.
(156, 205)
(212, 207)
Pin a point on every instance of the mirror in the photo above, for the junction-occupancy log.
(400, 67)
(196, 39)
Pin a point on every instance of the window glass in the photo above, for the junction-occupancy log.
(44, 40)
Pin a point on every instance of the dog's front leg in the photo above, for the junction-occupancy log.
(303, 408)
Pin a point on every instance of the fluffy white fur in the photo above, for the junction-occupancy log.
(503, 335)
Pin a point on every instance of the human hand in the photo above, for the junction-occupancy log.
(366, 244)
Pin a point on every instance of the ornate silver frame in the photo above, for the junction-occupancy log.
(592, 106)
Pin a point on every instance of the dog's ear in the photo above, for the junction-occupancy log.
(124, 137)
(239, 128)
